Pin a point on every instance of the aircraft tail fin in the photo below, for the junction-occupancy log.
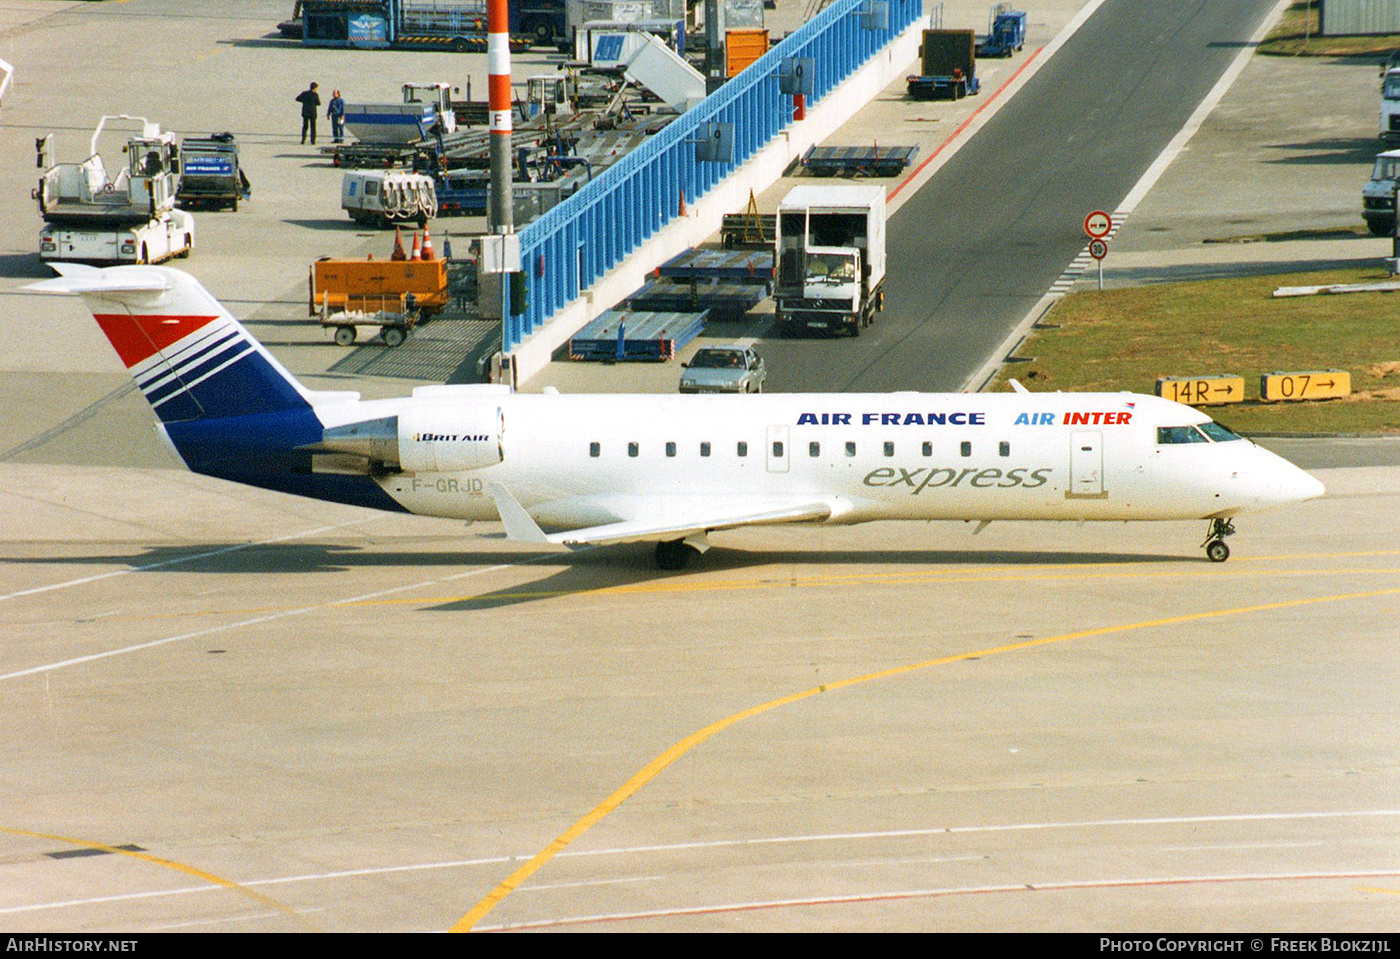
(190, 357)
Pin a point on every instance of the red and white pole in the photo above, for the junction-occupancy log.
(500, 215)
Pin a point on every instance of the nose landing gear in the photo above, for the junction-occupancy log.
(1216, 550)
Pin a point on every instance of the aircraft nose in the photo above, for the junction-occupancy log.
(1284, 483)
(1299, 486)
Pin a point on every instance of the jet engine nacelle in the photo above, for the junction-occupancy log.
(450, 439)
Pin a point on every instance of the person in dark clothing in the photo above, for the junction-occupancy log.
(336, 111)
(310, 102)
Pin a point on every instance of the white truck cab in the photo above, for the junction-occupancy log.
(1390, 106)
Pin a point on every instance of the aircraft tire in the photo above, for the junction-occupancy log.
(1217, 551)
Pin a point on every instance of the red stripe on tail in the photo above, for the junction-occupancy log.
(138, 338)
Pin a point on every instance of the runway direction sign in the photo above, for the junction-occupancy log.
(1305, 385)
(1202, 390)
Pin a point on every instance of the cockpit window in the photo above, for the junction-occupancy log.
(1179, 434)
(1221, 434)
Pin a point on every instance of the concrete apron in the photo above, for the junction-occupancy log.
(703, 218)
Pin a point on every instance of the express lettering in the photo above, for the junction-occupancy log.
(922, 478)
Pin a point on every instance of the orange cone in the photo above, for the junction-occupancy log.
(417, 250)
(398, 254)
(427, 245)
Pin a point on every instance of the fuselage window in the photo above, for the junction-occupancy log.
(1169, 435)
(814, 449)
(1004, 448)
(966, 448)
(889, 448)
(850, 449)
(595, 449)
(743, 448)
(632, 449)
(705, 449)
(670, 449)
(928, 448)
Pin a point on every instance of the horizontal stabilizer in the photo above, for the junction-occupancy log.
(80, 278)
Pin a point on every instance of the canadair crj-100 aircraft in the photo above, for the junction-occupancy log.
(583, 470)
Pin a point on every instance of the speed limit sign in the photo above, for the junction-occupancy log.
(1098, 224)
(1098, 249)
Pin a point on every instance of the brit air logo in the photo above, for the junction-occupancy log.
(1093, 418)
(450, 437)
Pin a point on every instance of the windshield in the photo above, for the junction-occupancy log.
(1201, 433)
(717, 360)
(835, 268)
(1219, 433)
(1179, 434)
(1392, 87)
(1386, 168)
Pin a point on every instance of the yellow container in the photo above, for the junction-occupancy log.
(373, 285)
(743, 47)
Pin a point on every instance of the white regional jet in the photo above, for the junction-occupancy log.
(586, 470)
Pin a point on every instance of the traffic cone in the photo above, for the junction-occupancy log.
(398, 254)
(417, 250)
(427, 245)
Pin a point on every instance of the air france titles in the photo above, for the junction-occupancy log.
(893, 419)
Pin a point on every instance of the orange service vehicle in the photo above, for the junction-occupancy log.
(374, 286)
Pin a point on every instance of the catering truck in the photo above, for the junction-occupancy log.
(94, 216)
(829, 265)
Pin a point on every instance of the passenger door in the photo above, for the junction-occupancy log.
(1086, 464)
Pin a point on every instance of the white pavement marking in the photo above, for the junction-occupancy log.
(750, 842)
(181, 559)
(267, 618)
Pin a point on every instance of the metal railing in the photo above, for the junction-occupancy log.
(577, 242)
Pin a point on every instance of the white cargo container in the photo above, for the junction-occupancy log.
(829, 262)
(387, 197)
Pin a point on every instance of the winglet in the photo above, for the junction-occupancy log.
(520, 525)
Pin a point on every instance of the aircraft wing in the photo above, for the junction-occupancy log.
(688, 522)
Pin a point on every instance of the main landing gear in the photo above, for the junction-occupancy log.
(1216, 550)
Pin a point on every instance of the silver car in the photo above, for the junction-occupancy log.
(724, 369)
